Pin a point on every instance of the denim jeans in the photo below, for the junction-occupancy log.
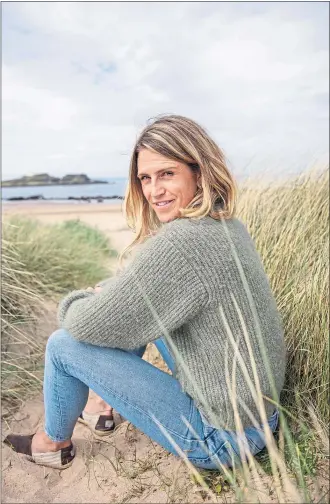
(140, 392)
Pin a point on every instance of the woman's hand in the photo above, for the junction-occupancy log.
(95, 289)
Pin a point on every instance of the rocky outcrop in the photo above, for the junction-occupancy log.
(99, 199)
(43, 179)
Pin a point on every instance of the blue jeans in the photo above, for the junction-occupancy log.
(140, 392)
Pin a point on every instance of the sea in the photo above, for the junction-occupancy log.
(61, 193)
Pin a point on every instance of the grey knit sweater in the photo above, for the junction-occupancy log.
(183, 284)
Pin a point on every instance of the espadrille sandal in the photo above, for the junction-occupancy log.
(101, 425)
(60, 459)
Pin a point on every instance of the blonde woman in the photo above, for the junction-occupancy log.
(197, 288)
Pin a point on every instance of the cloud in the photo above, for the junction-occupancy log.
(80, 80)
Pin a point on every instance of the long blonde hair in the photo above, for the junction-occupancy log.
(180, 139)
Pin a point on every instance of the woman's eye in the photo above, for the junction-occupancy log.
(164, 173)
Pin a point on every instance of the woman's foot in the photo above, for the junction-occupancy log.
(38, 448)
(42, 444)
(98, 416)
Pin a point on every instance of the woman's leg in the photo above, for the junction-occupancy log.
(97, 414)
(96, 404)
(139, 391)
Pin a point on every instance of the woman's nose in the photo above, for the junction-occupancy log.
(156, 188)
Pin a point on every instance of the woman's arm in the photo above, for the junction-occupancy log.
(109, 280)
(105, 282)
(158, 291)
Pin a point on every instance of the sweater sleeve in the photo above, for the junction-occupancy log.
(158, 292)
(108, 280)
(105, 282)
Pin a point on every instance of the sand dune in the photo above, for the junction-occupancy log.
(123, 467)
(107, 217)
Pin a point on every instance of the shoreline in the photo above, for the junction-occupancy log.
(62, 202)
(41, 207)
(3, 185)
(89, 199)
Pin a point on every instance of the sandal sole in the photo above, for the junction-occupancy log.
(31, 459)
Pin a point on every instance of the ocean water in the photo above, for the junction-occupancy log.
(115, 187)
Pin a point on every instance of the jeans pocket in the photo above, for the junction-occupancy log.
(221, 446)
(208, 431)
(228, 454)
(213, 460)
(256, 443)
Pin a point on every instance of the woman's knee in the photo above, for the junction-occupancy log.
(58, 342)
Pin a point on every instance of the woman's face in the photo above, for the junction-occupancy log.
(163, 180)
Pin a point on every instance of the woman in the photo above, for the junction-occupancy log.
(197, 288)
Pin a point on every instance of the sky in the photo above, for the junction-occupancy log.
(80, 80)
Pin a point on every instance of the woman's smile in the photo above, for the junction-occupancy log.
(163, 205)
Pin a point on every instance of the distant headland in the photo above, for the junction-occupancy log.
(43, 179)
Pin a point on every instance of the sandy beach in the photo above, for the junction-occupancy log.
(107, 217)
(126, 466)
(123, 467)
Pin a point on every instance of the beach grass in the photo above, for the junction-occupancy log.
(40, 264)
(289, 223)
(290, 226)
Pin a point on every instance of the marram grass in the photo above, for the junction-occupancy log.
(40, 263)
(270, 215)
(289, 224)
(283, 221)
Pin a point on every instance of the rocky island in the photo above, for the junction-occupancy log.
(43, 179)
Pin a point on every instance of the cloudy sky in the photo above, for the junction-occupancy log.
(80, 80)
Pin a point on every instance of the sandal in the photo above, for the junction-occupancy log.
(101, 425)
(60, 459)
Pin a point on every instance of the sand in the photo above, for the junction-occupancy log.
(126, 466)
(123, 467)
(107, 217)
